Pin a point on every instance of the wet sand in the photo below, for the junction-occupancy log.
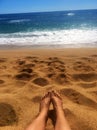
(26, 74)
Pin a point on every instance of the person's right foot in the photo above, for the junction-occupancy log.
(57, 102)
(44, 104)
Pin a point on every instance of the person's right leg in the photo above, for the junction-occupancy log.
(61, 122)
(40, 121)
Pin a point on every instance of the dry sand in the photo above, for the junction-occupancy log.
(25, 75)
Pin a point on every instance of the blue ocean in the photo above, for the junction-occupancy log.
(77, 28)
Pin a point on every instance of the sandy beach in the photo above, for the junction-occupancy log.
(26, 74)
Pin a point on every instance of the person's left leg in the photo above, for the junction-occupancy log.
(61, 121)
(40, 121)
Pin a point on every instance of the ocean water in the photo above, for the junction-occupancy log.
(66, 28)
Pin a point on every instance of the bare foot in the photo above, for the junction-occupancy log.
(61, 122)
(44, 104)
(57, 102)
(39, 123)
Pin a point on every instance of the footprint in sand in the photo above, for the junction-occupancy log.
(94, 55)
(30, 65)
(78, 98)
(75, 123)
(31, 57)
(2, 60)
(23, 76)
(27, 70)
(41, 81)
(86, 77)
(51, 75)
(88, 85)
(55, 63)
(35, 61)
(80, 66)
(2, 81)
(49, 69)
(53, 58)
(7, 115)
(36, 99)
(88, 59)
(41, 61)
(61, 68)
(56, 67)
(59, 78)
(21, 62)
(62, 78)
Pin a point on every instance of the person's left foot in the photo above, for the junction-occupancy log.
(44, 104)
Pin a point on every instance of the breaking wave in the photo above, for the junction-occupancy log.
(19, 21)
(74, 37)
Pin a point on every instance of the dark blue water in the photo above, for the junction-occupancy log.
(55, 27)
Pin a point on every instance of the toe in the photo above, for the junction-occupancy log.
(57, 94)
(44, 96)
(49, 94)
(52, 94)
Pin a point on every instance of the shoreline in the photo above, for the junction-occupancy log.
(47, 46)
(47, 51)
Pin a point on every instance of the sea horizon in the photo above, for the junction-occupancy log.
(47, 11)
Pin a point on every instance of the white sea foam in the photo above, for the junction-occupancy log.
(19, 21)
(69, 38)
(71, 14)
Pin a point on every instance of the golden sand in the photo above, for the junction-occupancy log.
(25, 75)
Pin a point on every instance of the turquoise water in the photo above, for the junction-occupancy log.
(70, 28)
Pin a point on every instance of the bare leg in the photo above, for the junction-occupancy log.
(61, 122)
(40, 122)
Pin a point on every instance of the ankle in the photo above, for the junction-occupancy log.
(59, 111)
(43, 114)
(58, 107)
